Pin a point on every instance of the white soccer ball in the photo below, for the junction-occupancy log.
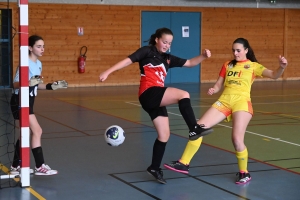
(114, 135)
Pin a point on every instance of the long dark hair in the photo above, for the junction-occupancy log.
(32, 40)
(158, 34)
(250, 54)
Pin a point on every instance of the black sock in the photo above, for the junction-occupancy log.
(187, 112)
(38, 156)
(16, 161)
(158, 153)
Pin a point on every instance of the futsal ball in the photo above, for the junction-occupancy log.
(114, 135)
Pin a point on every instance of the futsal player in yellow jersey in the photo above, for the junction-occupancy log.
(234, 104)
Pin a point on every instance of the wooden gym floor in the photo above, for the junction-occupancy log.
(74, 120)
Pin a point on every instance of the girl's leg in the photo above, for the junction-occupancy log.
(36, 148)
(16, 160)
(241, 120)
(41, 168)
(174, 95)
(161, 124)
(36, 131)
(211, 117)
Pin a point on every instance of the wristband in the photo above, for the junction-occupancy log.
(48, 86)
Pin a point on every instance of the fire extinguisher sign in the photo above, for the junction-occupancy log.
(80, 30)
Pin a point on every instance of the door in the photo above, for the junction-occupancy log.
(184, 47)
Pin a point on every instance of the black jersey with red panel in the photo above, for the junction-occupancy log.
(154, 66)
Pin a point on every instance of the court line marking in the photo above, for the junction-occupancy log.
(280, 114)
(137, 104)
(133, 186)
(278, 102)
(277, 139)
(131, 183)
(32, 191)
(263, 96)
(261, 135)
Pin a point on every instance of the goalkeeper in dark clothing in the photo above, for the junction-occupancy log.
(154, 64)
(36, 49)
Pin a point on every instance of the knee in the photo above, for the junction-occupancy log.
(164, 137)
(37, 132)
(238, 144)
(185, 94)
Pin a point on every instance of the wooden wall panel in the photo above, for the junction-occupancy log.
(264, 28)
(113, 32)
(293, 43)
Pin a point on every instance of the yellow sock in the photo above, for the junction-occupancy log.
(190, 150)
(242, 160)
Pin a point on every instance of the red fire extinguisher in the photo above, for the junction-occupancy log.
(82, 59)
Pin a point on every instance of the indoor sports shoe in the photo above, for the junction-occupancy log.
(177, 167)
(242, 178)
(44, 170)
(158, 174)
(17, 170)
(199, 131)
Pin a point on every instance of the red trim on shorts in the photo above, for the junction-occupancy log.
(250, 108)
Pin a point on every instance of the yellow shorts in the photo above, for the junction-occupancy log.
(228, 104)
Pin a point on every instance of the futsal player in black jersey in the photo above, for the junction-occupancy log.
(154, 64)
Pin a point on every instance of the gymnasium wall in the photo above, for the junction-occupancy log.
(111, 32)
(182, 3)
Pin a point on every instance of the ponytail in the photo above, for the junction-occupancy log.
(151, 41)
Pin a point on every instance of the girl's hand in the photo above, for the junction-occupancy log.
(206, 53)
(103, 76)
(282, 62)
(211, 91)
(35, 80)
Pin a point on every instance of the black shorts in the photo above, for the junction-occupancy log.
(15, 106)
(150, 100)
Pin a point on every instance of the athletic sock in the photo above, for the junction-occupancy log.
(16, 160)
(190, 150)
(38, 156)
(158, 153)
(242, 158)
(187, 112)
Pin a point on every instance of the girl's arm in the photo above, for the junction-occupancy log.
(279, 71)
(42, 86)
(217, 87)
(123, 63)
(198, 59)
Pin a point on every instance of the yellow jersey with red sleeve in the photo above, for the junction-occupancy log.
(239, 78)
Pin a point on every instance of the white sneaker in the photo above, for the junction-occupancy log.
(45, 170)
(17, 170)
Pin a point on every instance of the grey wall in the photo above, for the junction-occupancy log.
(189, 3)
